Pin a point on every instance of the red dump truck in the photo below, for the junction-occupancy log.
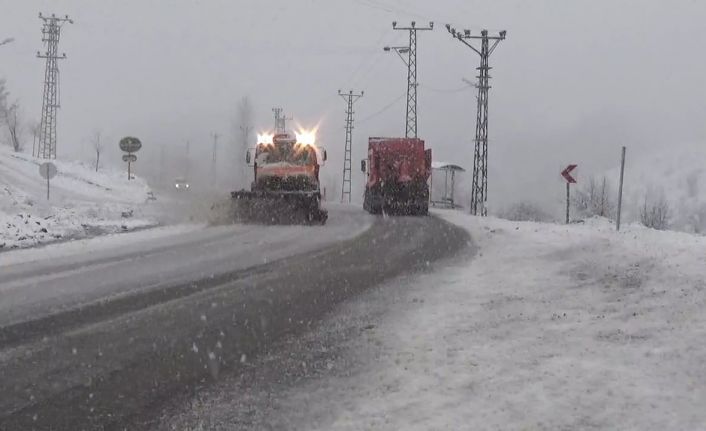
(398, 170)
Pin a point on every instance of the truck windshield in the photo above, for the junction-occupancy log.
(286, 153)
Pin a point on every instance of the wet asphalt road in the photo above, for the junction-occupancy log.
(105, 365)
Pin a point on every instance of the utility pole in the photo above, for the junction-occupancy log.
(479, 189)
(51, 30)
(411, 62)
(280, 120)
(213, 159)
(186, 168)
(620, 189)
(350, 98)
(161, 164)
(245, 130)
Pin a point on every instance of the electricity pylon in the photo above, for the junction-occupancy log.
(51, 31)
(350, 98)
(479, 188)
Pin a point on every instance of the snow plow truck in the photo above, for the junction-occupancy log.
(285, 189)
(398, 171)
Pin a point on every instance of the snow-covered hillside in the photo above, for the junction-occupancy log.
(82, 202)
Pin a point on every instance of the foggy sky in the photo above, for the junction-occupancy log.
(573, 82)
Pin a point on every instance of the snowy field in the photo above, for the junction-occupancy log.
(545, 327)
(82, 202)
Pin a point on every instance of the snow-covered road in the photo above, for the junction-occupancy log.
(38, 282)
(109, 353)
(547, 327)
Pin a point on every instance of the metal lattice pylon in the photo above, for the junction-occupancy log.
(410, 61)
(280, 120)
(51, 31)
(350, 98)
(479, 188)
(411, 126)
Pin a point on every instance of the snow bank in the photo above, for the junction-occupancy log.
(105, 245)
(547, 327)
(82, 202)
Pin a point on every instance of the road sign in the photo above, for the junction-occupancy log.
(47, 170)
(130, 144)
(566, 173)
(129, 158)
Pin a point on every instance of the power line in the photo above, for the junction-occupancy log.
(373, 54)
(383, 109)
(349, 98)
(406, 10)
(446, 90)
(479, 189)
(373, 5)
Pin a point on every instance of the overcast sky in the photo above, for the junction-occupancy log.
(573, 82)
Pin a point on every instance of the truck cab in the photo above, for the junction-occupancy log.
(286, 163)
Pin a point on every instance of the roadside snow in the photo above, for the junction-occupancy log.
(549, 327)
(546, 327)
(96, 245)
(82, 202)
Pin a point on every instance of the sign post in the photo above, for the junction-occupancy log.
(566, 173)
(130, 145)
(129, 158)
(620, 189)
(47, 170)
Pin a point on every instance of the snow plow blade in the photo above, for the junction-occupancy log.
(263, 207)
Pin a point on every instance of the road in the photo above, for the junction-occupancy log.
(115, 335)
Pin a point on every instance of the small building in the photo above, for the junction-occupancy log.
(443, 184)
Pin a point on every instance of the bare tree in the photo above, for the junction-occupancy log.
(10, 117)
(594, 199)
(3, 101)
(3, 97)
(34, 128)
(14, 126)
(655, 214)
(97, 146)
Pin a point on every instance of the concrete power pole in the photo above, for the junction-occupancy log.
(350, 98)
(479, 189)
(214, 164)
(411, 62)
(161, 164)
(186, 165)
(51, 30)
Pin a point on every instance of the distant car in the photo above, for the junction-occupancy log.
(181, 184)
